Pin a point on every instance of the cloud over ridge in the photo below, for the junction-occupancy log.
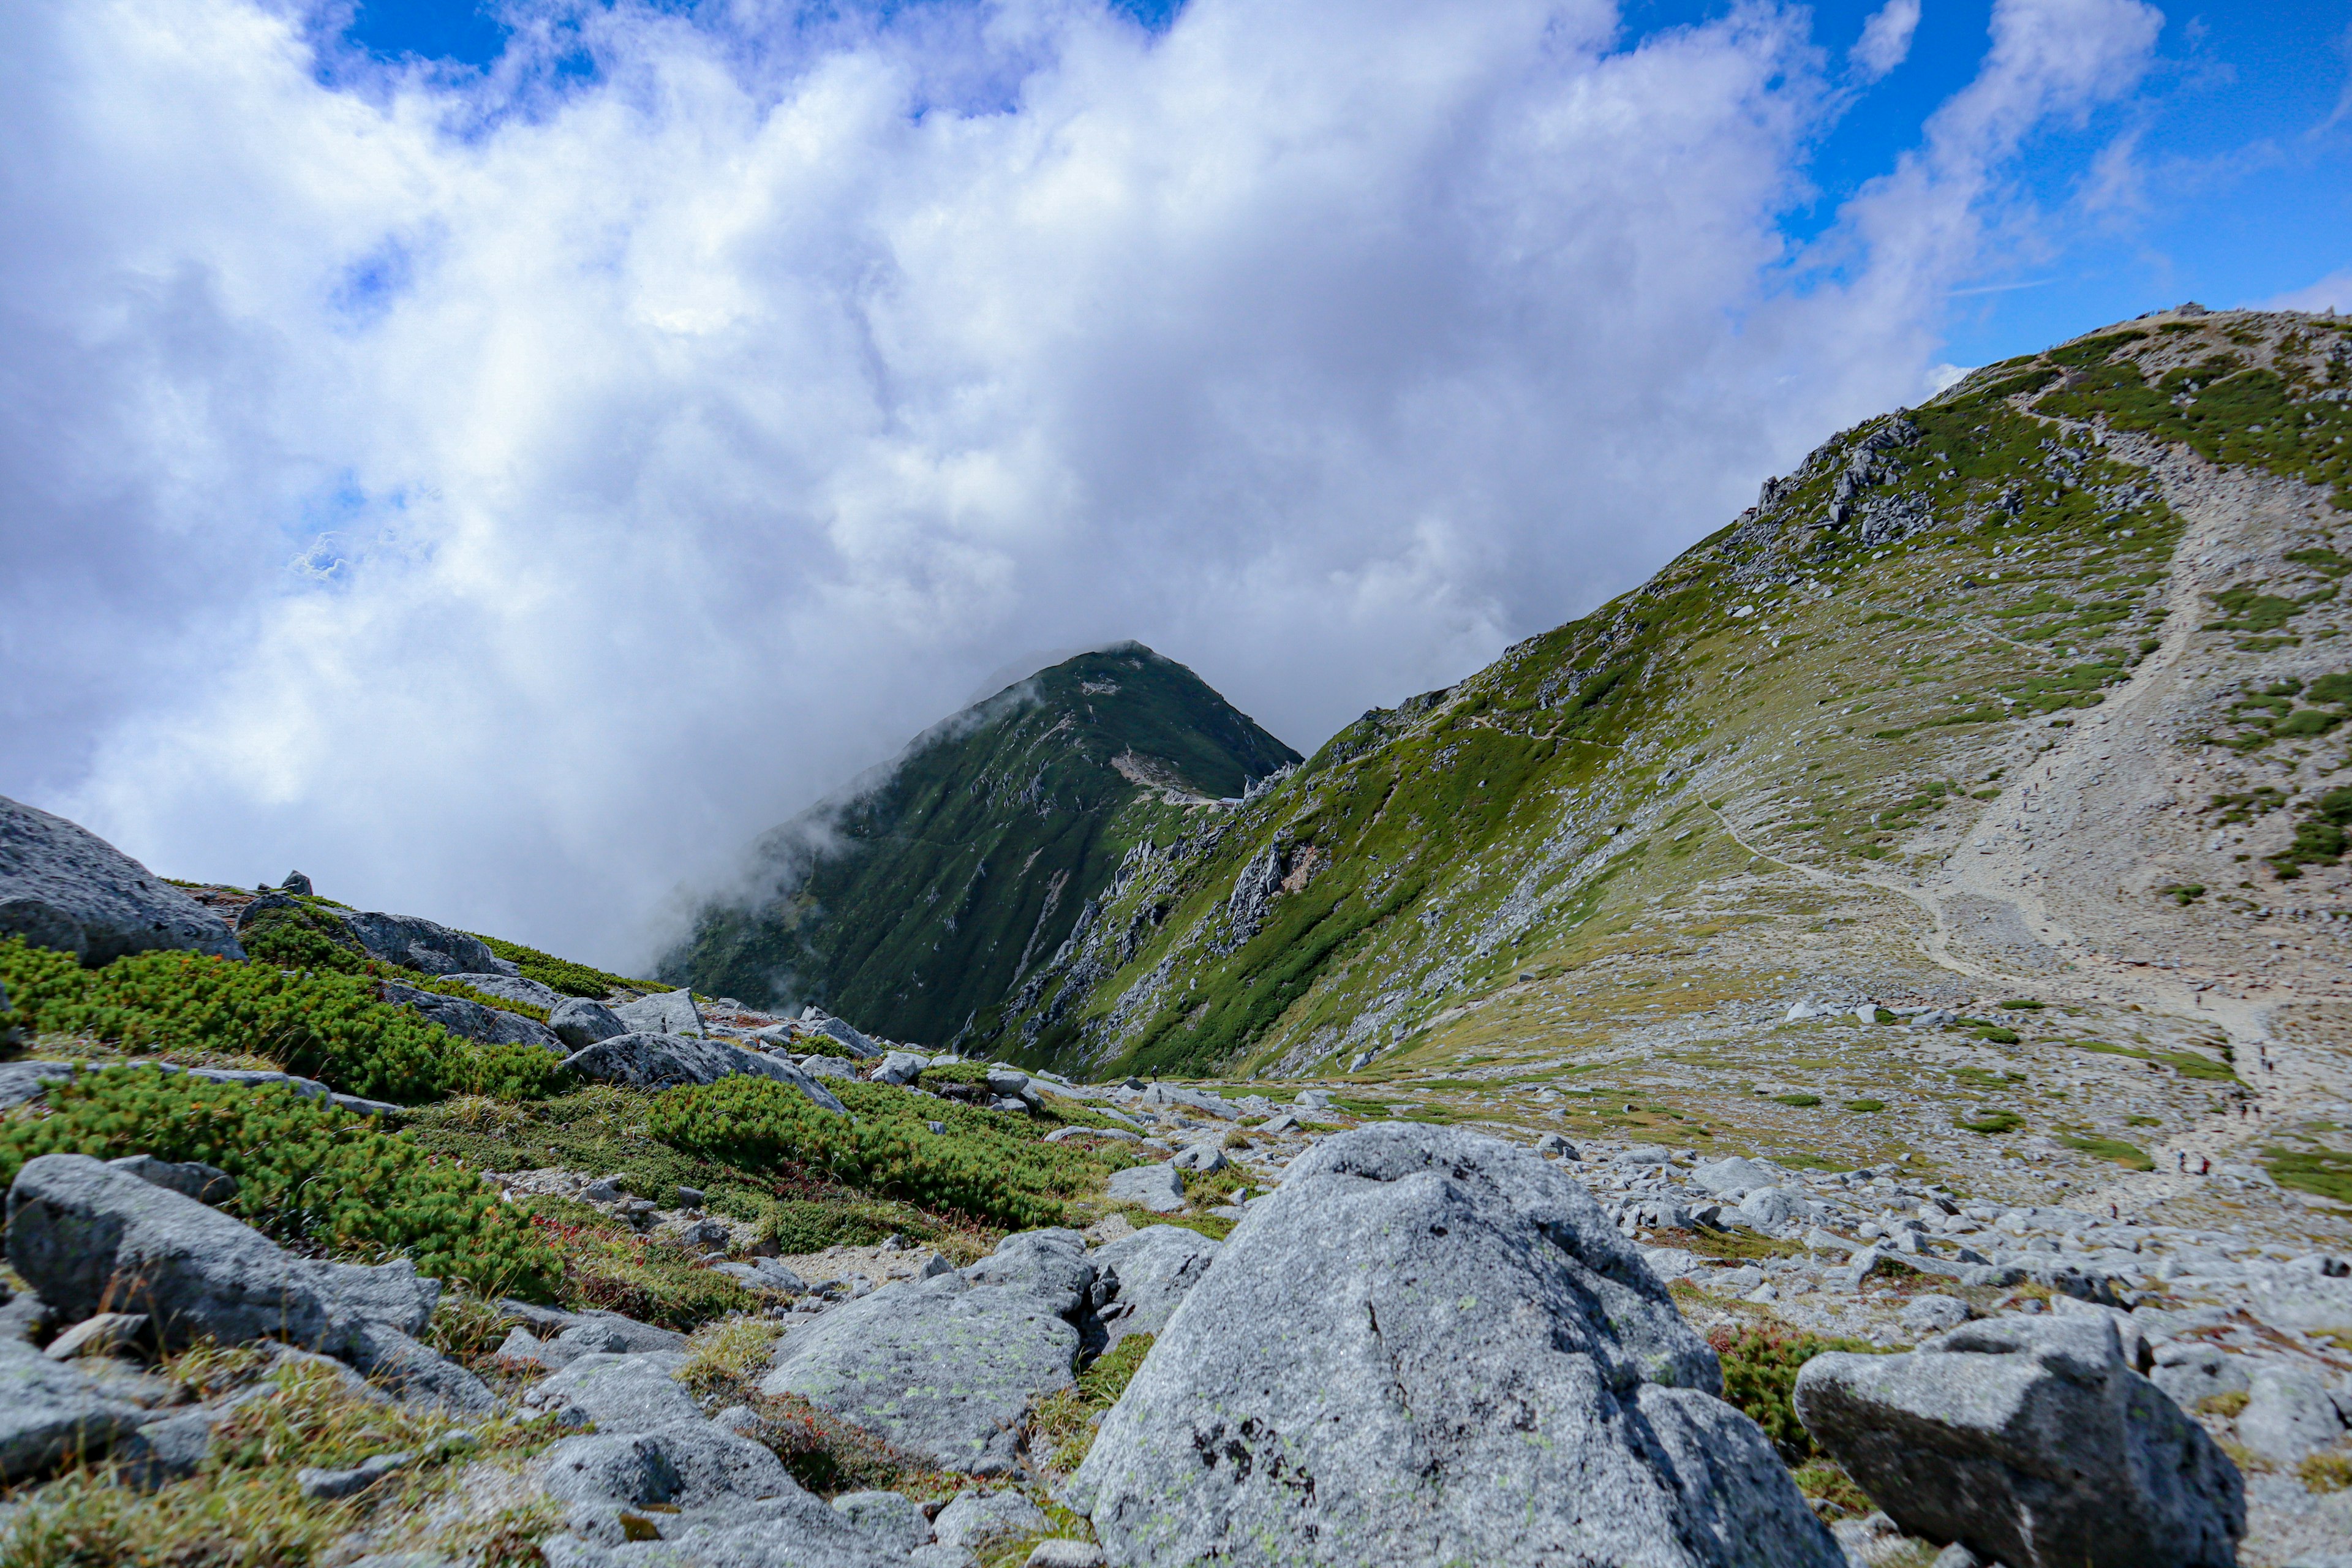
(503, 494)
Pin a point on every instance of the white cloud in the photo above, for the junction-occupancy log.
(689, 435)
(2333, 292)
(1885, 40)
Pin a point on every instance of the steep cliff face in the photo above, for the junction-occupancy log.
(2042, 678)
(916, 903)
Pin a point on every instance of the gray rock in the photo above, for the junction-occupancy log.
(765, 1274)
(64, 888)
(513, 988)
(1197, 1099)
(895, 1519)
(1730, 1178)
(422, 945)
(580, 1022)
(1282, 1122)
(900, 1068)
(471, 1020)
(1152, 1271)
(949, 1365)
(666, 1061)
(620, 1392)
(1313, 1099)
(828, 1067)
(1451, 1341)
(1155, 1187)
(851, 1040)
(2191, 1371)
(309, 1088)
(1061, 1553)
(664, 1012)
(2289, 1416)
(172, 1449)
(100, 1336)
(325, 1486)
(1933, 1314)
(23, 1082)
(189, 1178)
(1768, 1209)
(88, 1237)
(1205, 1158)
(419, 1375)
(51, 1412)
(1004, 1082)
(1552, 1144)
(2029, 1440)
(977, 1519)
(296, 882)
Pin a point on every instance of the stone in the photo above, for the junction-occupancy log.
(1283, 1123)
(23, 1082)
(977, 1519)
(895, 1519)
(664, 1012)
(580, 1022)
(1730, 1178)
(89, 1237)
(1155, 1187)
(1313, 1099)
(1004, 1081)
(765, 1274)
(99, 1335)
(412, 942)
(947, 1367)
(828, 1067)
(2191, 1371)
(471, 1020)
(63, 887)
(620, 1392)
(2288, 1416)
(855, 1043)
(52, 1411)
(325, 1486)
(900, 1068)
(189, 1178)
(1204, 1158)
(2029, 1440)
(1151, 1271)
(1933, 1314)
(1060, 1552)
(1216, 1105)
(419, 1375)
(1770, 1209)
(666, 1061)
(172, 1449)
(298, 884)
(1450, 1340)
(513, 988)
(1552, 1144)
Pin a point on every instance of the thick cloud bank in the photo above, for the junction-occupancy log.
(501, 495)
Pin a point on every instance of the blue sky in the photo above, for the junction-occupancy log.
(2241, 140)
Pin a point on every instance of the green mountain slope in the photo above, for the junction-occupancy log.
(916, 903)
(1819, 703)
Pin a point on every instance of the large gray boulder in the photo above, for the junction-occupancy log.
(1150, 1270)
(90, 1238)
(422, 945)
(63, 887)
(471, 1020)
(52, 1411)
(1156, 1187)
(2031, 1441)
(947, 1367)
(851, 1040)
(1430, 1347)
(899, 1068)
(580, 1022)
(664, 1012)
(667, 1061)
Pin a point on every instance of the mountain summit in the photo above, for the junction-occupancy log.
(917, 901)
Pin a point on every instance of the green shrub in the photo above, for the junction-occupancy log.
(329, 1026)
(1760, 1365)
(307, 1172)
(810, 1224)
(986, 1164)
(2115, 1149)
(562, 974)
(644, 1277)
(1993, 1122)
(296, 936)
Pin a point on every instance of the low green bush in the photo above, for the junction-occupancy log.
(308, 1173)
(799, 1225)
(326, 1025)
(651, 1279)
(562, 974)
(1761, 1363)
(987, 1165)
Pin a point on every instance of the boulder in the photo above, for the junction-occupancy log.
(64, 888)
(666, 1061)
(2192, 1370)
(976, 1521)
(189, 1178)
(851, 1040)
(1202, 1158)
(90, 1238)
(1004, 1082)
(765, 1274)
(1431, 1346)
(21, 1082)
(620, 1392)
(580, 1022)
(1768, 1209)
(947, 1367)
(1197, 1099)
(2029, 1440)
(296, 882)
(664, 1012)
(52, 1411)
(1552, 1144)
(895, 1519)
(513, 988)
(417, 1373)
(900, 1068)
(471, 1020)
(2288, 1416)
(828, 1067)
(1730, 1178)
(422, 945)
(1151, 1271)
(1156, 1187)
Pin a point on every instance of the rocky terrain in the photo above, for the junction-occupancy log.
(1836, 1057)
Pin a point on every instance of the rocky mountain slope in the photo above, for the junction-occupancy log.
(919, 901)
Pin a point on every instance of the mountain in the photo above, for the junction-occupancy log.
(916, 902)
(2030, 693)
